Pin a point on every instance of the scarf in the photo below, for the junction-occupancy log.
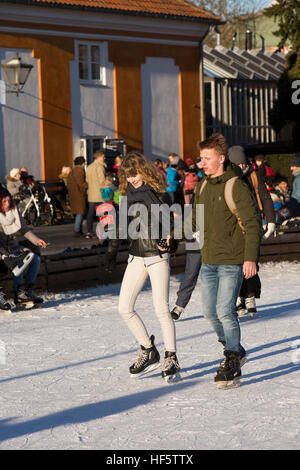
(10, 222)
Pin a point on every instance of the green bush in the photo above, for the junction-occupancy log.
(280, 164)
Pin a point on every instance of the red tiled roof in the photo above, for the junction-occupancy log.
(183, 9)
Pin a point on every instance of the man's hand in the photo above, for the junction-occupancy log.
(249, 269)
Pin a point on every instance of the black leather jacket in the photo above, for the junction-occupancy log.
(143, 244)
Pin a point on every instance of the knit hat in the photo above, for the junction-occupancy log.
(295, 161)
(107, 194)
(4, 192)
(13, 173)
(236, 155)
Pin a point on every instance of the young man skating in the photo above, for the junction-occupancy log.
(230, 250)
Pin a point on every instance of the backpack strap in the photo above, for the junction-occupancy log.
(230, 201)
(200, 189)
(228, 196)
(254, 181)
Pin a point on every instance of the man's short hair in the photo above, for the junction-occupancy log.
(79, 161)
(216, 142)
(173, 154)
(98, 153)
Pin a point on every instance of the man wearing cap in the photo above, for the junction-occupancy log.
(251, 288)
(294, 204)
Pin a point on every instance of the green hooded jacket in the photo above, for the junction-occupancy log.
(224, 241)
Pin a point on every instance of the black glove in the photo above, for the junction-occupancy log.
(171, 248)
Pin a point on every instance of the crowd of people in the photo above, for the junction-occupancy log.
(243, 202)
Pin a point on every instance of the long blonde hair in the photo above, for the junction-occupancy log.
(136, 163)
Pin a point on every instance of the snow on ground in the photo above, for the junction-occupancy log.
(64, 381)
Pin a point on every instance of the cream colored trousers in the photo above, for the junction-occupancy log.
(134, 279)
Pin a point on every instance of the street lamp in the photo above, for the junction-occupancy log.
(16, 73)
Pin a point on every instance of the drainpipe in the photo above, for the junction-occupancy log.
(233, 41)
(262, 43)
(248, 45)
(202, 94)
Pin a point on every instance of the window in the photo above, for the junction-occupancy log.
(91, 63)
(89, 145)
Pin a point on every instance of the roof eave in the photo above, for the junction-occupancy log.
(210, 21)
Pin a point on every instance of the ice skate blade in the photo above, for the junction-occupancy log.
(227, 384)
(145, 372)
(24, 305)
(251, 314)
(5, 312)
(241, 312)
(172, 378)
(243, 361)
(22, 266)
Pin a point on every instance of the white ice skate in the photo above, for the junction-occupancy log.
(170, 372)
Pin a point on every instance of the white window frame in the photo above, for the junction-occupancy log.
(103, 50)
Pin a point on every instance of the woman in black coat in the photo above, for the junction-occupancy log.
(149, 223)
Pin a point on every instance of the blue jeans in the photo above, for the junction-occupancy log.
(31, 275)
(191, 273)
(220, 286)
(78, 223)
(91, 215)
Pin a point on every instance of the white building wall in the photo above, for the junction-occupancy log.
(93, 107)
(20, 121)
(161, 108)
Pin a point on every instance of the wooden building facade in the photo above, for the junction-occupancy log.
(101, 68)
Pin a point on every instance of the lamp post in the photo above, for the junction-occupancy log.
(16, 73)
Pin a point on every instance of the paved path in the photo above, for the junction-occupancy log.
(61, 237)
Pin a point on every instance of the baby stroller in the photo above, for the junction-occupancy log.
(39, 208)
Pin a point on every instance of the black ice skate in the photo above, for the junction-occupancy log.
(22, 299)
(30, 293)
(243, 354)
(18, 263)
(171, 367)
(229, 372)
(4, 304)
(176, 312)
(148, 360)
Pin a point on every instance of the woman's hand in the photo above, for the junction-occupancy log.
(161, 248)
(41, 243)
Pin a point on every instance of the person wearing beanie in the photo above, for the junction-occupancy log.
(251, 288)
(107, 194)
(13, 181)
(236, 155)
(107, 229)
(11, 225)
(294, 203)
